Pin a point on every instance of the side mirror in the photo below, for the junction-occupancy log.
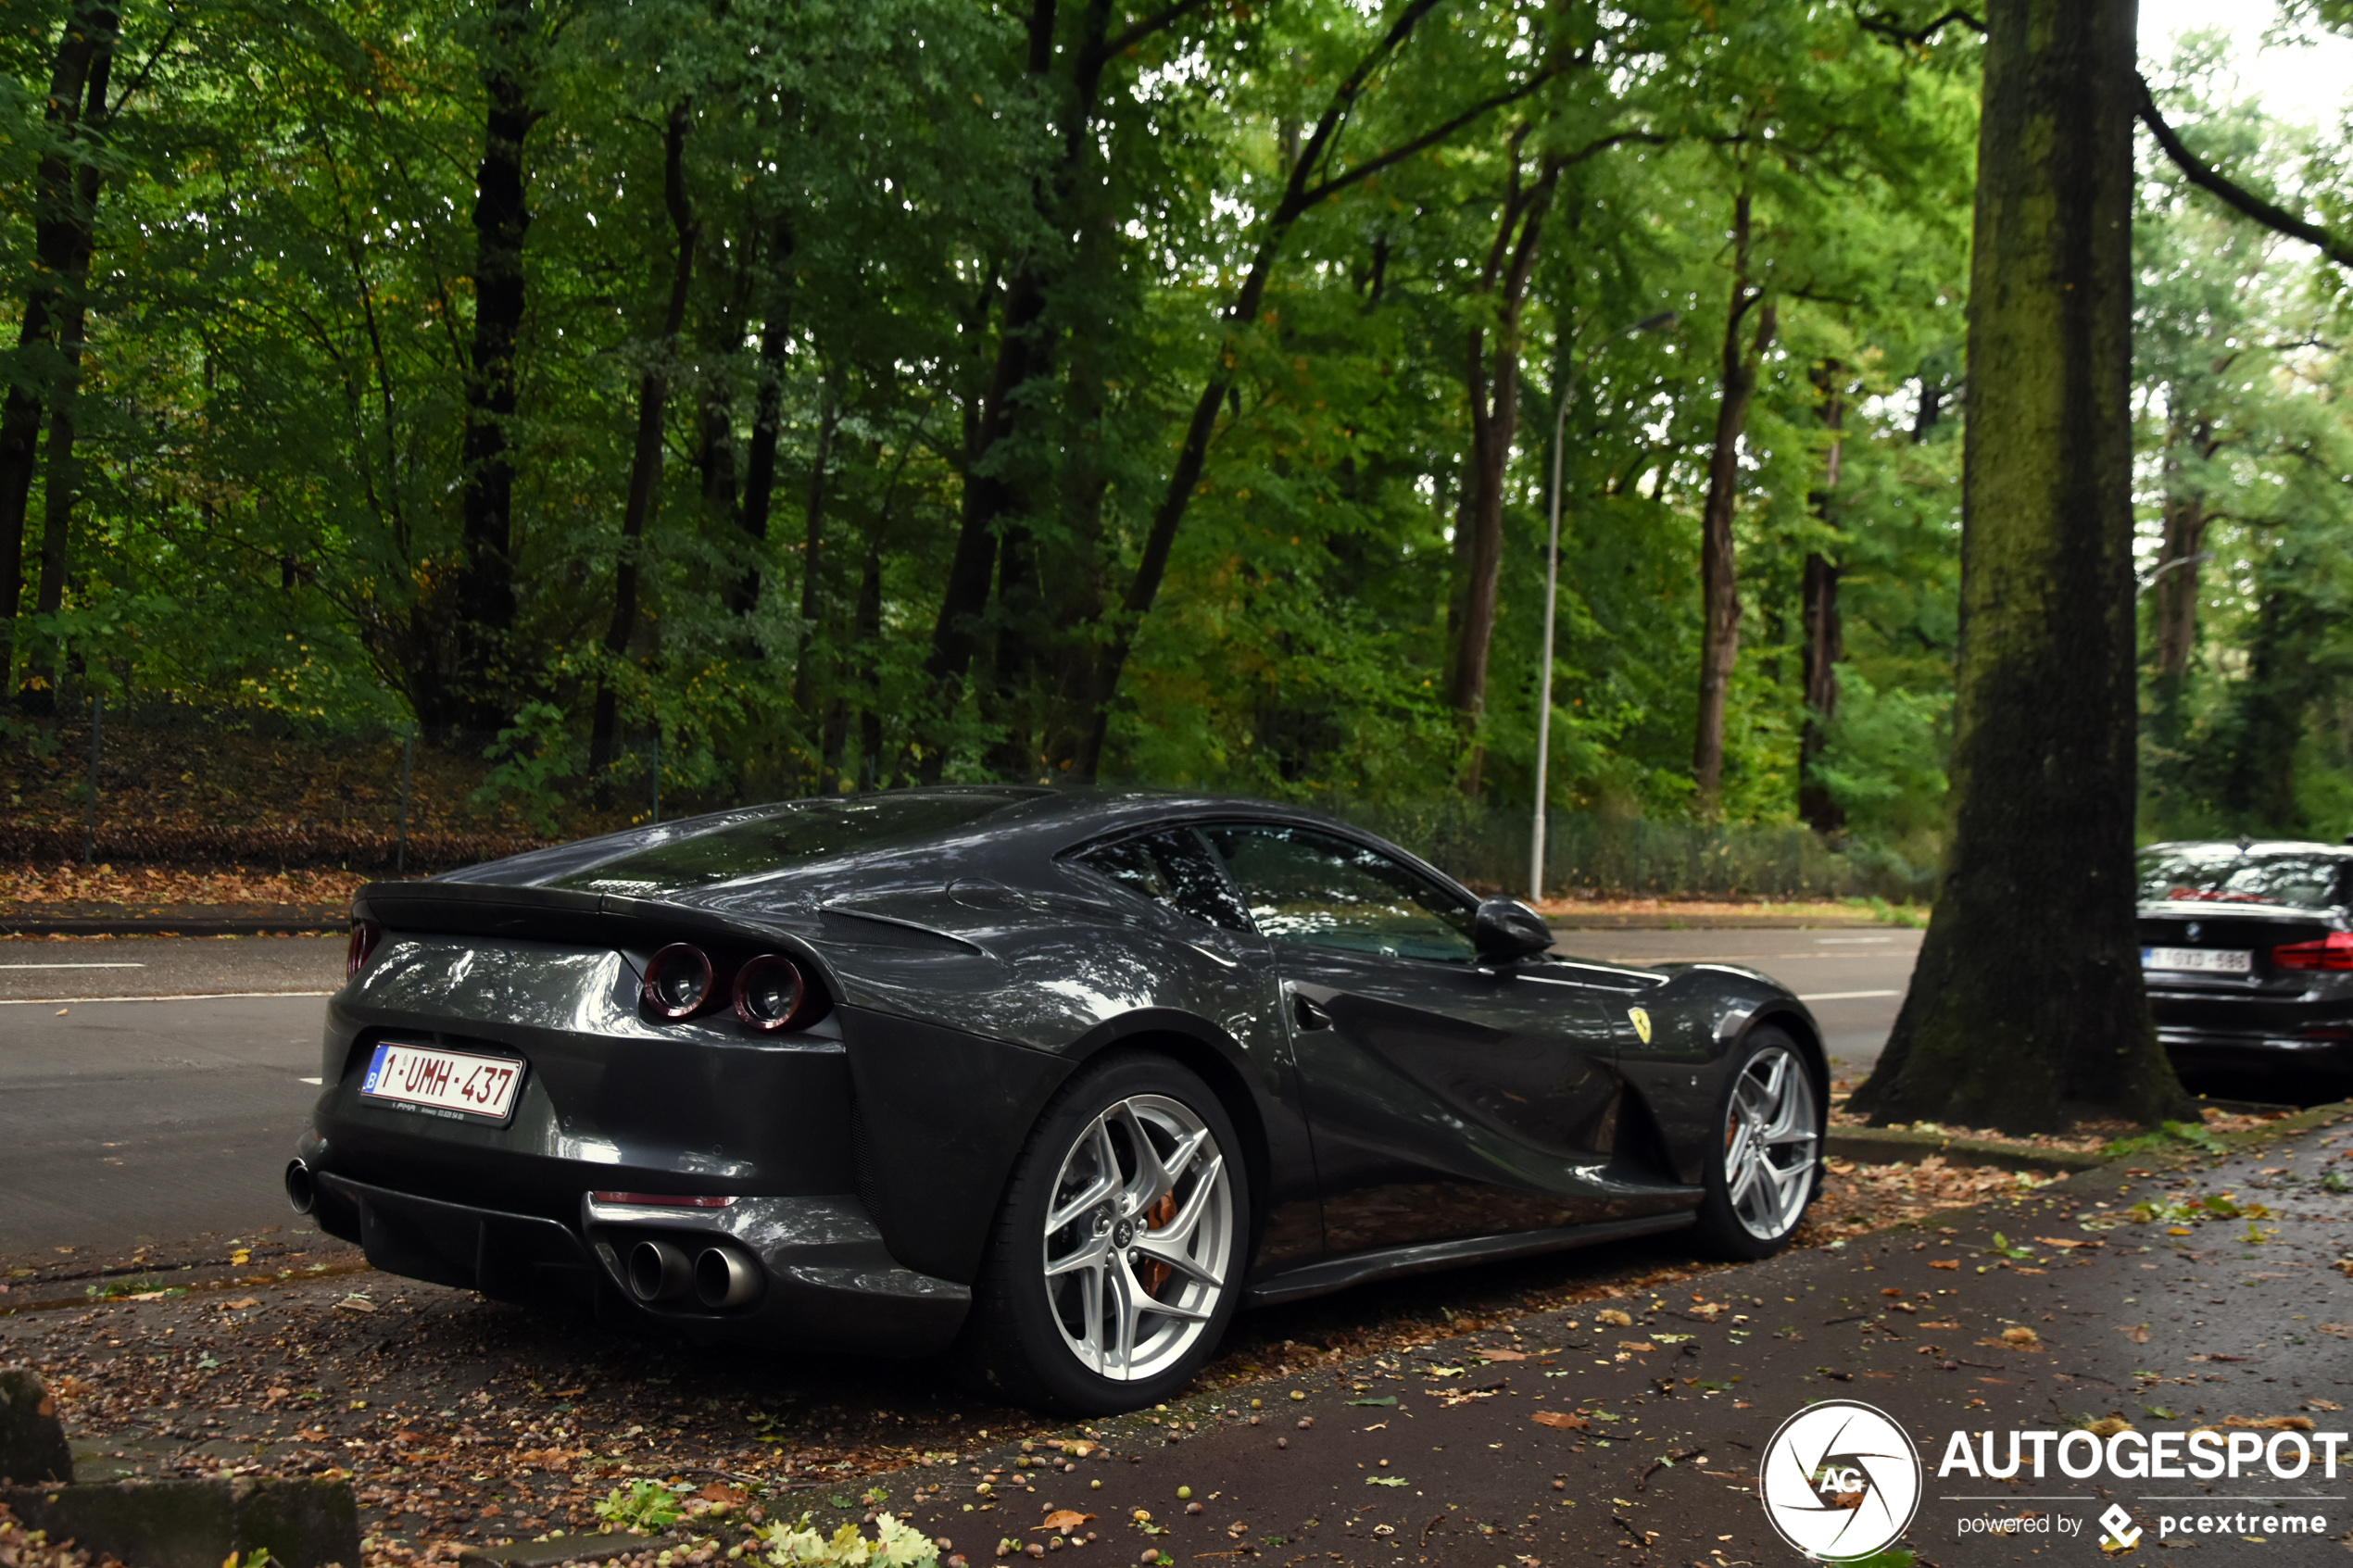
(1505, 929)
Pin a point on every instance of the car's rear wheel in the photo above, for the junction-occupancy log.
(1116, 1261)
(1767, 1160)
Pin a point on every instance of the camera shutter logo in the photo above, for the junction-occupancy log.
(1839, 1480)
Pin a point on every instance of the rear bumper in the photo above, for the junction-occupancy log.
(2300, 1061)
(827, 1281)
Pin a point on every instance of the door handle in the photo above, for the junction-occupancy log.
(1310, 1016)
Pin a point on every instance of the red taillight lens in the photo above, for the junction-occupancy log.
(662, 1201)
(2333, 951)
(678, 981)
(365, 935)
(769, 993)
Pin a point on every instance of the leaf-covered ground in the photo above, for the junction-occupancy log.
(463, 1421)
(163, 890)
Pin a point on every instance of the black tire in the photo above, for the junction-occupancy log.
(1758, 1187)
(1027, 1338)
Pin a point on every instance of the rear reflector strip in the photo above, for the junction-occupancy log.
(661, 1199)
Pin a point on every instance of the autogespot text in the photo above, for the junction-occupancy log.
(2206, 1454)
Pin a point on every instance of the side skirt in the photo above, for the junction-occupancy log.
(1338, 1273)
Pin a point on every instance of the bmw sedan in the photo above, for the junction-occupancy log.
(2247, 950)
(1058, 1081)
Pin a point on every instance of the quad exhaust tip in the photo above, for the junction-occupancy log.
(724, 1277)
(302, 1189)
(660, 1271)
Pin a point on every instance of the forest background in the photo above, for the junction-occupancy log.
(740, 402)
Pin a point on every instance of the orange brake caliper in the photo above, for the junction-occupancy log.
(1156, 1273)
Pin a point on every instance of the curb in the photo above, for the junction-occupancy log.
(1667, 921)
(332, 926)
(1887, 1146)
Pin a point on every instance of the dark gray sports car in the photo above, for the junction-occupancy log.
(1060, 1079)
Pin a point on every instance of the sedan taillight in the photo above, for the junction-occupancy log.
(2333, 951)
(365, 935)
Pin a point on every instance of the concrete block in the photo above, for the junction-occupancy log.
(32, 1441)
(304, 1522)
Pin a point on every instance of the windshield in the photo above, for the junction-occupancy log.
(2223, 875)
(804, 831)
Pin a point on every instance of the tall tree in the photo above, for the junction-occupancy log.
(2026, 1008)
(1824, 633)
(1719, 593)
(51, 313)
(478, 691)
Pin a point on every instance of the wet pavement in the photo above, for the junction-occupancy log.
(1572, 1437)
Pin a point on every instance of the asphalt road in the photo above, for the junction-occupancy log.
(1852, 978)
(151, 1088)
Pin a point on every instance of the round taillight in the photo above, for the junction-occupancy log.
(365, 935)
(678, 981)
(769, 992)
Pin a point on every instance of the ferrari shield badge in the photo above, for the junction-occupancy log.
(1641, 1019)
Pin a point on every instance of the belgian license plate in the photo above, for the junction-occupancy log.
(456, 1083)
(2197, 960)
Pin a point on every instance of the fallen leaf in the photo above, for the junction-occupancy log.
(2337, 1328)
(1612, 1316)
(2022, 1337)
(2270, 1422)
(2323, 1405)
(1063, 1521)
(62, 1011)
(1504, 1355)
(2108, 1426)
(1385, 1481)
(1565, 1420)
(718, 1492)
(2066, 1241)
(2179, 1230)
(239, 1306)
(1385, 1400)
(2137, 1333)
(1944, 1262)
(1644, 1346)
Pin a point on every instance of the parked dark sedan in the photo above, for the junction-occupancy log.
(1062, 1080)
(2248, 948)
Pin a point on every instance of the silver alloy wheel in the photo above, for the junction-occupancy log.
(1139, 1237)
(1770, 1143)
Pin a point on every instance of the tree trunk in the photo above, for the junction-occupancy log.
(64, 485)
(2026, 1009)
(644, 458)
(1824, 643)
(85, 44)
(2174, 614)
(480, 689)
(1719, 592)
(813, 572)
(1494, 411)
(1000, 479)
(869, 646)
(2270, 707)
(767, 416)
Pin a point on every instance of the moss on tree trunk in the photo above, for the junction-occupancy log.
(2026, 1008)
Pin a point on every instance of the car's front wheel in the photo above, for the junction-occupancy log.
(1116, 1261)
(1768, 1150)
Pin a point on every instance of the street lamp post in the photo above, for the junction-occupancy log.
(1551, 609)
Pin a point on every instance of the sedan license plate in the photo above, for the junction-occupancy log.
(454, 1082)
(2197, 960)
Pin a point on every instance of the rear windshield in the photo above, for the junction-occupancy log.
(804, 831)
(2223, 875)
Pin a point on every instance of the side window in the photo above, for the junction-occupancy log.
(1172, 868)
(1319, 891)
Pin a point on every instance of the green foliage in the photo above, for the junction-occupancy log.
(643, 1506)
(922, 275)
(895, 1545)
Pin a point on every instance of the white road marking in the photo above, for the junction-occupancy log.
(1829, 941)
(184, 996)
(1846, 996)
(72, 966)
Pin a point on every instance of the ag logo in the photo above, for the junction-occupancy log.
(1841, 1480)
(1642, 1021)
